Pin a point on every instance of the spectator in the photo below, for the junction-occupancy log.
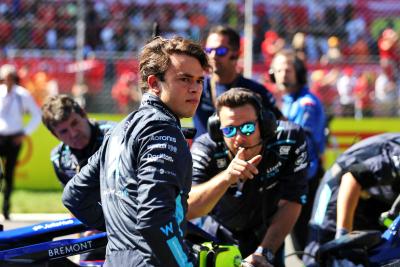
(126, 93)
(345, 86)
(359, 50)
(361, 184)
(5, 31)
(355, 28)
(249, 177)
(388, 45)
(300, 106)
(363, 91)
(223, 46)
(299, 46)
(41, 86)
(316, 40)
(333, 55)
(272, 44)
(180, 23)
(323, 85)
(80, 138)
(143, 170)
(386, 92)
(14, 102)
(79, 92)
(107, 37)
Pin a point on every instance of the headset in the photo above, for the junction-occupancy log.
(266, 120)
(299, 66)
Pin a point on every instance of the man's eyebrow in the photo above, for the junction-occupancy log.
(184, 74)
(188, 75)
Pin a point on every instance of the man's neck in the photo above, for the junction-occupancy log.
(9, 88)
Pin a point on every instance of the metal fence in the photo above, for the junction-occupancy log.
(89, 48)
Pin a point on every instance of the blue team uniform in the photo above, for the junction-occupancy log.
(305, 109)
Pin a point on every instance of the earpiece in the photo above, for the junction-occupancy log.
(271, 75)
(213, 128)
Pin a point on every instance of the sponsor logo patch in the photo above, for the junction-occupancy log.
(66, 250)
(284, 150)
(159, 157)
(163, 138)
(52, 225)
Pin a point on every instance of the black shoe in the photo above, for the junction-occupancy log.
(6, 210)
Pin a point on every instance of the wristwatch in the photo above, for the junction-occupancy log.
(267, 254)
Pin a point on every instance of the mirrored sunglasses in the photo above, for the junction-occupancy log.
(219, 51)
(246, 129)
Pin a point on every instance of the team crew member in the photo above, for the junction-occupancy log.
(80, 138)
(249, 176)
(144, 167)
(222, 47)
(14, 102)
(300, 106)
(362, 184)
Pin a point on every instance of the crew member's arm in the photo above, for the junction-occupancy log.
(357, 177)
(348, 196)
(203, 197)
(82, 194)
(281, 225)
(294, 185)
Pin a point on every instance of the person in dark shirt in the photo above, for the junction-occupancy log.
(142, 172)
(80, 138)
(249, 176)
(362, 183)
(222, 47)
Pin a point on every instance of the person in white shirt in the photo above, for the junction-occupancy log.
(14, 102)
(345, 86)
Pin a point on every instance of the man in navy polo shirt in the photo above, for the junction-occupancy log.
(222, 47)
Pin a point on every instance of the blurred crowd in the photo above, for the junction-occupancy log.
(124, 25)
(333, 37)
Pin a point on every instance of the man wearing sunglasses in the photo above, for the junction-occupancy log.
(223, 49)
(249, 177)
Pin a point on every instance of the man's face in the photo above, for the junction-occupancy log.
(224, 61)
(182, 85)
(285, 74)
(74, 132)
(236, 117)
(9, 81)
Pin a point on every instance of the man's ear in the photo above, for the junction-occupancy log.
(234, 56)
(153, 84)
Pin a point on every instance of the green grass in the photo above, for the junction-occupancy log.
(26, 201)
